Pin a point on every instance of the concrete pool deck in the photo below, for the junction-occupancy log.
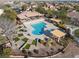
(29, 28)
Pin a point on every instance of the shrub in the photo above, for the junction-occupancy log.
(45, 44)
(7, 51)
(16, 39)
(36, 51)
(20, 34)
(29, 53)
(63, 42)
(51, 43)
(25, 39)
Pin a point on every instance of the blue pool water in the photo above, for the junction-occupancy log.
(38, 28)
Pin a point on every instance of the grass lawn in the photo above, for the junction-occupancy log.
(76, 33)
(34, 42)
(27, 46)
(16, 39)
(25, 39)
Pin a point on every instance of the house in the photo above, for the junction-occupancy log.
(28, 14)
(51, 6)
(46, 8)
(58, 35)
(74, 15)
(57, 21)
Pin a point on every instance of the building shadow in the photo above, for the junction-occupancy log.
(48, 33)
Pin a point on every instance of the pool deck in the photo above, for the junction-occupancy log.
(29, 29)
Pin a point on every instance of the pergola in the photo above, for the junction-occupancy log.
(58, 34)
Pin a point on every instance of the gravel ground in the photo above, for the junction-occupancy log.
(72, 51)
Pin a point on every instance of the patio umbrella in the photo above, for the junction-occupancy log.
(46, 39)
(36, 39)
(39, 40)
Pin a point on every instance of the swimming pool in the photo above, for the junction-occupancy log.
(38, 28)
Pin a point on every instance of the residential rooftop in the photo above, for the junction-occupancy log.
(56, 20)
(73, 14)
(26, 14)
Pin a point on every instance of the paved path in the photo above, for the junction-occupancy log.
(73, 28)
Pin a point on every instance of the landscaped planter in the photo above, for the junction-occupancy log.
(27, 46)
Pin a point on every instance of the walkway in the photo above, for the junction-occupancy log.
(73, 28)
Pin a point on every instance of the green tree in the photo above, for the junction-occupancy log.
(7, 51)
(50, 12)
(7, 5)
(61, 14)
(24, 7)
(63, 8)
(34, 42)
(40, 9)
(10, 13)
(25, 39)
(76, 7)
(4, 52)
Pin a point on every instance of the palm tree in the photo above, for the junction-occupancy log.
(24, 7)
